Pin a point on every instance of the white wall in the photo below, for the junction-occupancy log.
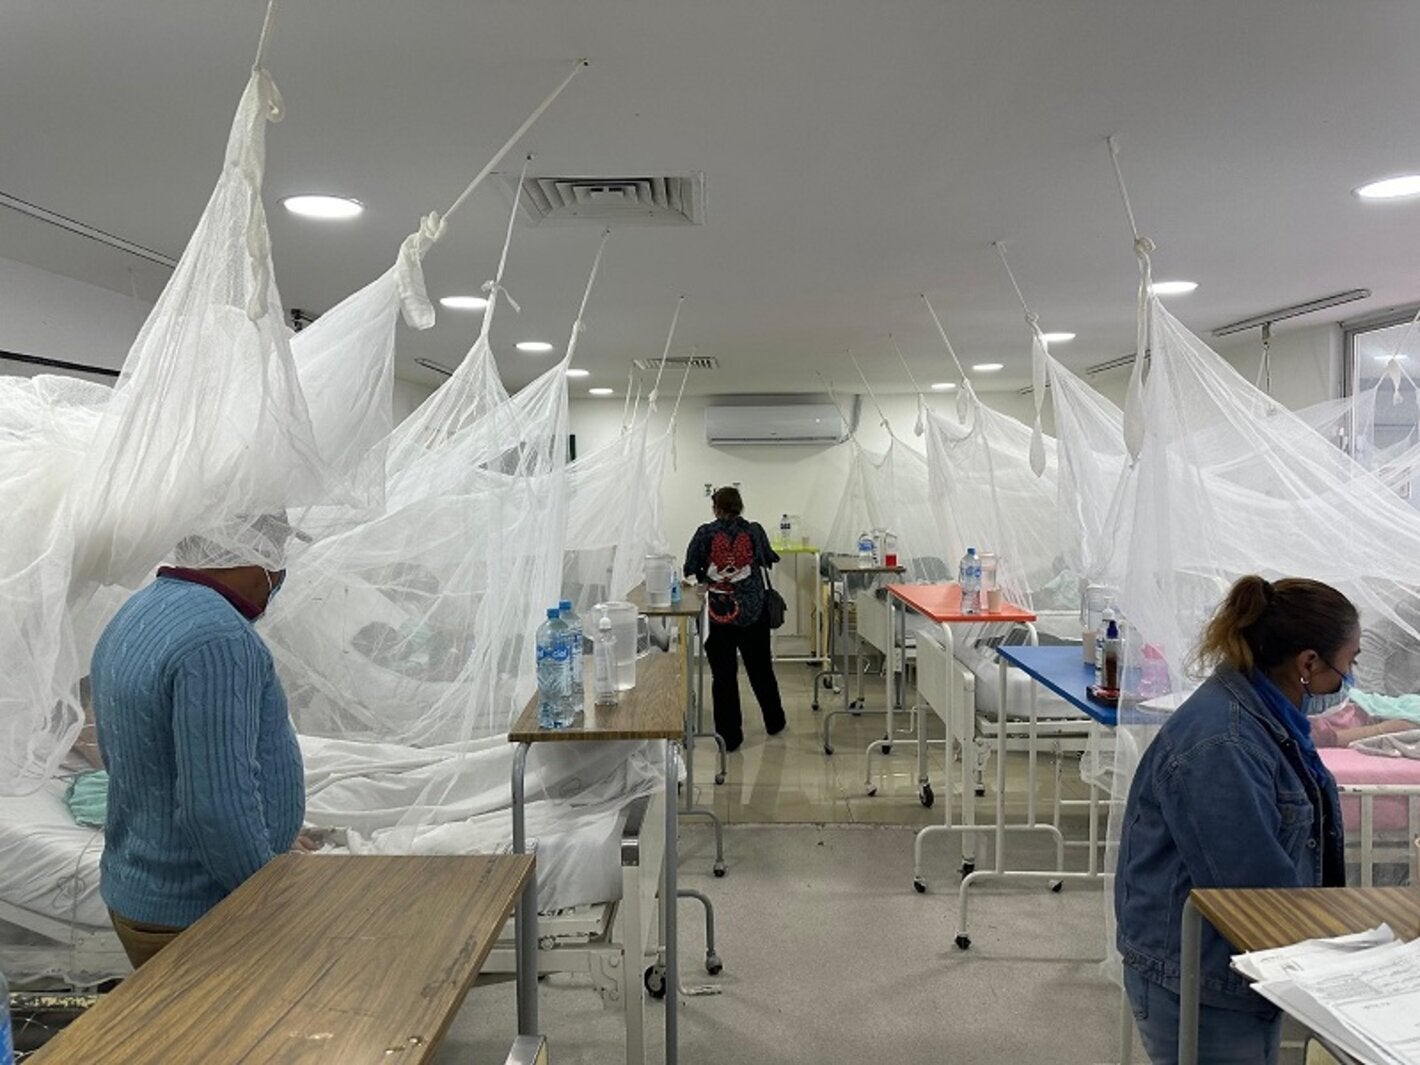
(1306, 368)
(55, 317)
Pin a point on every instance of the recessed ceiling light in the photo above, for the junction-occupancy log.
(575, 372)
(1057, 338)
(464, 303)
(534, 347)
(987, 367)
(1392, 188)
(1173, 288)
(601, 392)
(324, 207)
(944, 386)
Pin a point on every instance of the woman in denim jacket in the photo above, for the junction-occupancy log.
(1231, 793)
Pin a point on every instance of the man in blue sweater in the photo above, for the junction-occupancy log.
(205, 777)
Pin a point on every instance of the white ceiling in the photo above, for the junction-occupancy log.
(856, 154)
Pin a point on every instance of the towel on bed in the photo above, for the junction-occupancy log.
(1405, 707)
(1392, 745)
(87, 798)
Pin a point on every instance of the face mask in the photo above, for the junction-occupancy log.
(1313, 704)
(273, 586)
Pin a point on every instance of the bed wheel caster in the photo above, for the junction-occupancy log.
(872, 789)
(980, 790)
(925, 796)
(719, 778)
(919, 885)
(1056, 885)
(719, 867)
(814, 705)
(887, 748)
(655, 981)
(967, 868)
(828, 748)
(826, 682)
(713, 965)
(963, 941)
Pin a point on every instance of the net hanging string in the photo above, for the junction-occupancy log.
(264, 42)
(1394, 371)
(833, 398)
(495, 286)
(1264, 366)
(918, 428)
(665, 354)
(967, 395)
(871, 395)
(512, 141)
(1143, 247)
(1040, 351)
(626, 404)
(675, 411)
(579, 325)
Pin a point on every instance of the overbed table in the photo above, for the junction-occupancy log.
(1265, 918)
(692, 608)
(339, 959)
(851, 570)
(652, 710)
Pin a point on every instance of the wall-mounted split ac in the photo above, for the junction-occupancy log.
(800, 423)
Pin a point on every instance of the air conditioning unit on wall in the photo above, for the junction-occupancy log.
(801, 423)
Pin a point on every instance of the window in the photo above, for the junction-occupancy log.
(1370, 345)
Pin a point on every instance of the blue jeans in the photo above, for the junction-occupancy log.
(1225, 1037)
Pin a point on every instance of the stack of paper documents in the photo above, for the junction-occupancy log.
(1360, 993)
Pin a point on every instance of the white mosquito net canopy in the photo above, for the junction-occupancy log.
(1228, 482)
(889, 492)
(986, 495)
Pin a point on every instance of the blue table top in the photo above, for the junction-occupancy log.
(1063, 671)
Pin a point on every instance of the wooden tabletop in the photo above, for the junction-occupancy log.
(688, 607)
(330, 959)
(854, 564)
(942, 603)
(653, 710)
(1264, 918)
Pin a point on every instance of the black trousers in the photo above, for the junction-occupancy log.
(752, 644)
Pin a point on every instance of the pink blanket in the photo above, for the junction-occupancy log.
(1353, 767)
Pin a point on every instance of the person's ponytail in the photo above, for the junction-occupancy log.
(1224, 639)
(1261, 624)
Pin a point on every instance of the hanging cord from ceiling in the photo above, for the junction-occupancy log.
(1143, 248)
(1040, 352)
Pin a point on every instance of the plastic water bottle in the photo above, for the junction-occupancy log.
(574, 636)
(554, 673)
(786, 528)
(7, 1035)
(675, 588)
(969, 576)
(604, 664)
(865, 547)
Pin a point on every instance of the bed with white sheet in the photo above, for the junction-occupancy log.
(54, 925)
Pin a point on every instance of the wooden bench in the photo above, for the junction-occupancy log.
(339, 959)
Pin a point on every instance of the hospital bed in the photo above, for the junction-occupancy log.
(1380, 806)
(55, 931)
(1060, 728)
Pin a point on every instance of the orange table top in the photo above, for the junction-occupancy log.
(942, 603)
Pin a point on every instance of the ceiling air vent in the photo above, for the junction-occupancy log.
(663, 200)
(679, 362)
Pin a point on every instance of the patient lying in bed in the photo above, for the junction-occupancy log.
(1348, 723)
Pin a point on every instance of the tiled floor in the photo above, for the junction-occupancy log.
(789, 778)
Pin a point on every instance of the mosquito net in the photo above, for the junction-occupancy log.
(1228, 482)
(986, 495)
(889, 492)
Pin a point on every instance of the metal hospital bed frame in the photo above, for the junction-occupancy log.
(616, 943)
(845, 640)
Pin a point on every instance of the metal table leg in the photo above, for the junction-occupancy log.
(1190, 951)
(689, 809)
(668, 907)
(525, 913)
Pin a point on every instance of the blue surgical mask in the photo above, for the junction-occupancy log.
(275, 586)
(1313, 703)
